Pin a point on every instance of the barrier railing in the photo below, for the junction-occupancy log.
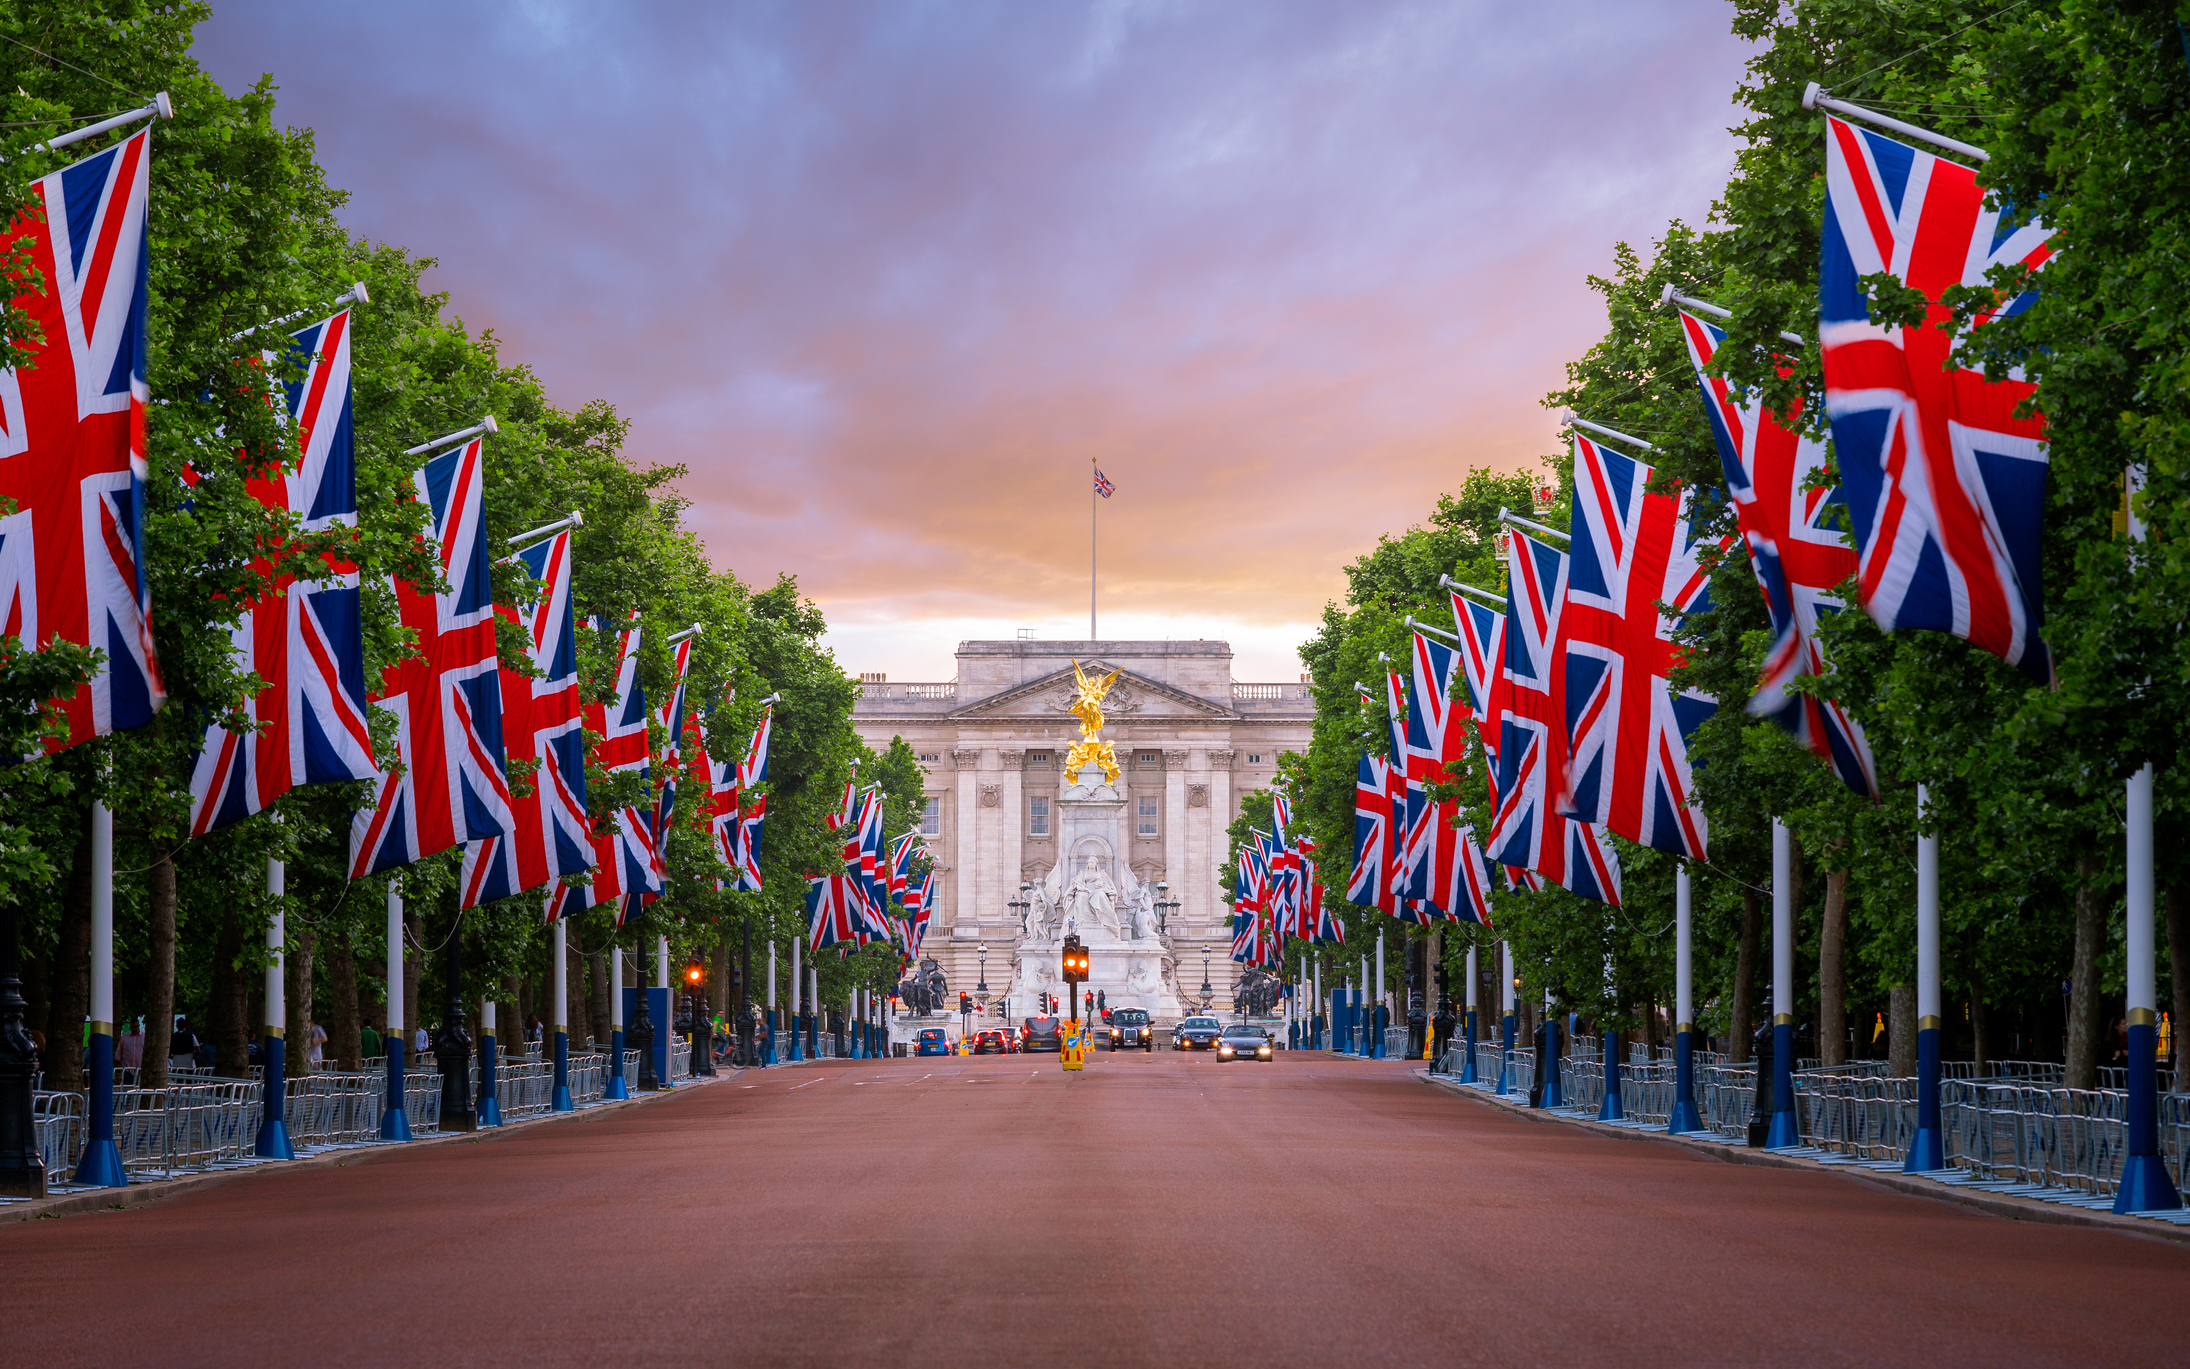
(59, 1121)
(1395, 1042)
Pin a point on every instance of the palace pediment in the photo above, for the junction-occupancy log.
(1134, 698)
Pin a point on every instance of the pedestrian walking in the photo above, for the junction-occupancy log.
(129, 1051)
(368, 1042)
(418, 1041)
(317, 1054)
(183, 1045)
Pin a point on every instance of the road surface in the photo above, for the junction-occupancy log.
(1153, 1210)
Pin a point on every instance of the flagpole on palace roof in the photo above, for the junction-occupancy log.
(1091, 552)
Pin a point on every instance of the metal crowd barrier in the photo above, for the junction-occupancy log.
(1395, 1043)
(58, 1119)
(680, 1057)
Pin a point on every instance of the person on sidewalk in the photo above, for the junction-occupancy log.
(129, 1051)
(368, 1042)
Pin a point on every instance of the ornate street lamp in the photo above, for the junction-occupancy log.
(1165, 906)
(1020, 904)
(1206, 992)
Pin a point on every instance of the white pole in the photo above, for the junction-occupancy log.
(486, 1015)
(795, 977)
(1471, 982)
(1683, 951)
(616, 989)
(1380, 968)
(2141, 1002)
(102, 921)
(1783, 926)
(771, 976)
(277, 940)
(395, 966)
(557, 1025)
(1927, 919)
(661, 964)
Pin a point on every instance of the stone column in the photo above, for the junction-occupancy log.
(964, 807)
(1012, 848)
(1174, 820)
(989, 848)
(1220, 817)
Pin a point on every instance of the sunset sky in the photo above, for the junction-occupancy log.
(886, 276)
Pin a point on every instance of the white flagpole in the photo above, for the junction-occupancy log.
(1091, 551)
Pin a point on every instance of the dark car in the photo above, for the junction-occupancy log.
(1242, 1041)
(990, 1043)
(1041, 1034)
(932, 1041)
(1130, 1027)
(1196, 1034)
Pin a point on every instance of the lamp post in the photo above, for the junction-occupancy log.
(1020, 904)
(1165, 906)
(703, 1031)
(1206, 992)
(22, 1166)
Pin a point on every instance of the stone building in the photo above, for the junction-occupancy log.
(1190, 740)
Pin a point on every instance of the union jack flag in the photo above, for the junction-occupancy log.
(919, 906)
(744, 856)
(304, 638)
(1527, 829)
(846, 808)
(1800, 561)
(1436, 739)
(72, 425)
(1375, 836)
(674, 720)
(1103, 486)
(626, 869)
(832, 912)
(1319, 924)
(1627, 729)
(1945, 483)
(551, 836)
(754, 771)
(453, 786)
(1482, 660)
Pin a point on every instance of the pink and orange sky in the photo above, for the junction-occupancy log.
(886, 276)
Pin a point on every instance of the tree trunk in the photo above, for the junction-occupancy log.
(229, 1013)
(2178, 970)
(1743, 1022)
(509, 1019)
(345, 1032)
(597, 998)
(297, 976)
(1832, 973)
(1901, 1032)
(70, 990)
(1977, 1051)
(159, 1025)
(2084, 1026)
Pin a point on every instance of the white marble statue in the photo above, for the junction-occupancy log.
(1093, 899)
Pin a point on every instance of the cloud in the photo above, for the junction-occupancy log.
(886, 278)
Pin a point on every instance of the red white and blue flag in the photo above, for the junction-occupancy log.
(1627, 727)
(1436, 740)
(626, 869)
(1943, 476)
(304, 638)
(541, 722)
(447, 699)
(1103, 486)
(1800, 559)
(1527, 828)
(919, 907)
(832, 913)
(72, 451)
(753, 772)
(1482, 664)
(1375, 836)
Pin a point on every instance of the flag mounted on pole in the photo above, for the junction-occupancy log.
(625, 869)
(1944, 480)
(1799, 556)
(303, 637)
(72, 458)
(447, 699)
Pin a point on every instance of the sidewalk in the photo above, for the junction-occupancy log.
(2000, 1198)
(68, 1200)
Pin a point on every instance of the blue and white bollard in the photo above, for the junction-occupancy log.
(560, 1100)
(395, 1124)
(490, 1093)
(618, 1086)
(1510, 1025)
(1552, 1095)
(1610, 1110)
(272, 1142)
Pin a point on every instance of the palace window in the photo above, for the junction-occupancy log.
(1039, 760)
(1038, 817)
(1148, 760)
(1147, 826)
(1254, 758)
(931, 758)
(931, 817)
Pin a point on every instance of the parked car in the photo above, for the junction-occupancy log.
(932, 1041)
(1130, 1027)
(990, 1043)
(1244, 1041)
(1042, 1034)
(1196, 1034)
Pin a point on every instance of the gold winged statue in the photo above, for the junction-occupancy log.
(1087, 706)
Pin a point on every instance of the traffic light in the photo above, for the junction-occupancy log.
(693, 974)
(1075, 961)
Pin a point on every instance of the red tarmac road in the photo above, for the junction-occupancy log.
(1154, 1210)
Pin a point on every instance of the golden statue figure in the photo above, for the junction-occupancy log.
(1087, 706)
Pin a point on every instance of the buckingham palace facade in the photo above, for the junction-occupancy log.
(992, 743)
